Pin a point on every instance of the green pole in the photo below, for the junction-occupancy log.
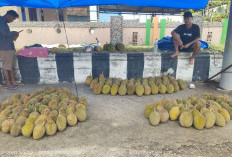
(224, 30)
(162, 29)
(148, 30)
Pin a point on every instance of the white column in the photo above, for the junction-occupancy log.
(82, 66)
(226, 77)
(48, 69)
(93, 13)
(152, 64)
(38, 14)
(118, 65)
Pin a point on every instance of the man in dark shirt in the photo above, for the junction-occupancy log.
(7, 48)
(186, 37)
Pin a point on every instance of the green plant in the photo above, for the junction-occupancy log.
(62, 46)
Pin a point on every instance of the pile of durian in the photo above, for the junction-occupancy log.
(200, 112)
(43, 112)
(146, 86)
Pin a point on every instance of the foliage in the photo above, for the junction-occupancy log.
(215, 10)
(139, 48)
(216, 48)
(62, 46)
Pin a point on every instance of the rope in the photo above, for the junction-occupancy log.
(67, 42)
(65, 33)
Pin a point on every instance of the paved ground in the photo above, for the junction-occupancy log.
(116, 126)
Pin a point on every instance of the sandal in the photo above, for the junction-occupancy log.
(11, 88)
(19, 84)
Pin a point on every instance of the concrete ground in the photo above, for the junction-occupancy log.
(116, 127)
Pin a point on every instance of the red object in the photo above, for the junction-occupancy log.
(33, 52)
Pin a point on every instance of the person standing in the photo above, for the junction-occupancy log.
(186, 37)
(7, 48)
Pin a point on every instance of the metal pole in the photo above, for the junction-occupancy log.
(226, 77)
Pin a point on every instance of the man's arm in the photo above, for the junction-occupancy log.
(189, 44)
(177, 37)
(5, 31)
(194, 41)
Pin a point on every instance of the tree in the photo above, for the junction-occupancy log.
(215, 10)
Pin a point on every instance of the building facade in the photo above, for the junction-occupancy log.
(78, 14)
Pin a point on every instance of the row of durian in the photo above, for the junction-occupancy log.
(146, 86)
(201, 112)
(43, 112)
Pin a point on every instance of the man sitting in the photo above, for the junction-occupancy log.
(186, 37)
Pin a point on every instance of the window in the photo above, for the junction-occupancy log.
(135, 38)
(78, 18)
(209, 36)
(32, 14)
(23, 14)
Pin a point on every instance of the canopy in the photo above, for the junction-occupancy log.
(175, 4)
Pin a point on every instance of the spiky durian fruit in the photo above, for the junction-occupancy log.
(204, 110)
(225, 114)
(21, 120)
(93, 83)
(122, 90)
(168, 106)
(150, 107)
(102, 77)
(6, 125)
(145, 81)
(53, 104)
(42, 107)
(15, 129)
(106, 89)
(154, 89)
(139, 90)
(174, 113)
(130, 88)
(210, 119)
(195, 112)
(61, 122)
(114, 89)
(229, 109)
(39, 131)
(109, 82)
(71, 119)
(164, 116)
(88, 80)
(162, 89)
(182, 84)
(154, 118)
(6, 112)
(165, 81)
(27, 129)
(186, 119)
(40, 121)
(172, 79)
(98, 88)
(46, 112)
(33, 101)
(170, 88)
(199, 121)
(151, 83)
(220, 120)
(50, 127)
(81, 115)
(147, 90)
(176, 86)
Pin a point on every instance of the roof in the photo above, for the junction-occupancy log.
(171, 4)
(141, 10)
